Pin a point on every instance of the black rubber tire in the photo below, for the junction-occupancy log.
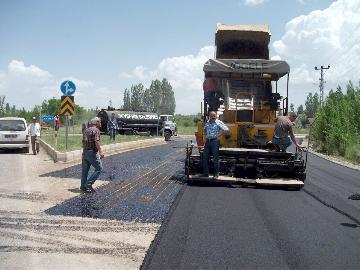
(167, 136)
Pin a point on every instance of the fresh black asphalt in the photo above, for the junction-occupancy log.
(224, 227)
(253, 228)
(142, 185)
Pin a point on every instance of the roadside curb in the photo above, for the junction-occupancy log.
(333, 159)
(76, 155)
(336, 161)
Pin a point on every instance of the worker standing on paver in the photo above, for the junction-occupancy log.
(34, 130)
(212, 131)
(92, 155)
(284, 128)
(112, 126)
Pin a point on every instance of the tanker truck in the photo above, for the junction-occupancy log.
(241, 85)
(139, 123)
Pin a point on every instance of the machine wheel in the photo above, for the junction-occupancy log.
(167, 135)
(26, 150)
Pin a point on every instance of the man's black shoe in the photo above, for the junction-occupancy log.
(83, 189)
(90, 190)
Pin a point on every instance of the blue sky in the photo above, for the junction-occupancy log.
(106, 46)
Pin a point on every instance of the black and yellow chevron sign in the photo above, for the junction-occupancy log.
(67, 106)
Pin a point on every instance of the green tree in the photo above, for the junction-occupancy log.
(2, 106)
(13, 110)
(7, 109)
(312, 105)
(23, 114)
(51, 106)
(302, 119)
(292, 109)
(159, 98)
(137, 97)
(337, 128)
(147, 103)
(155, 95)
(300, 110)
(168, 100)
(127, 100)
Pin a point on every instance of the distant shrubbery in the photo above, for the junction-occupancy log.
(337, 127)
(185, 120)
(186, 124)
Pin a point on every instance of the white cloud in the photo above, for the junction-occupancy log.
(28, 85)
(125, 75)
(16, 67)
(253, 2)
(322, 37)
(25, 86)
(184, 73)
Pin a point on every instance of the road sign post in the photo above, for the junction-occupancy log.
(67, 107)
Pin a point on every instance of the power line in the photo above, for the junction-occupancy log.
(321, 84)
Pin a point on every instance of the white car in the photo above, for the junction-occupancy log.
(14, 134)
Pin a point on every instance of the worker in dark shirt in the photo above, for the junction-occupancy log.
(92, 155)
(112, 127)
(284, 129)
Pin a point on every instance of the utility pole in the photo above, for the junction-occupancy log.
(321, 84)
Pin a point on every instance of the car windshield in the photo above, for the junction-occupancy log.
(12, 125)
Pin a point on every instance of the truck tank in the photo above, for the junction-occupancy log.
(131, 122)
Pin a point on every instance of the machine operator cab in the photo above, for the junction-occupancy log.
(240, 90)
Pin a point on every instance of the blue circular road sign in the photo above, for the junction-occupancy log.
(67, 88)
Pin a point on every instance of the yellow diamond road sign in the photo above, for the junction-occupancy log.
(67, 105)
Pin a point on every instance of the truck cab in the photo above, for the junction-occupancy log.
(169, 126)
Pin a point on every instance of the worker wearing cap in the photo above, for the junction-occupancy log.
(34, 130)
(92, 155)
(212, 132)
(284, 129)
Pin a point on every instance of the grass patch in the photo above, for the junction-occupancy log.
(186, 130)
(301, 130)
(75, 140)
(352, 153)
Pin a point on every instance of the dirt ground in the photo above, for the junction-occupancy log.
(31, 239)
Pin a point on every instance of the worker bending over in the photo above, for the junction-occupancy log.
(284, 128)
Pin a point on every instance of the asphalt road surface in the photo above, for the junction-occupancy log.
(46, 223)
(252, 228)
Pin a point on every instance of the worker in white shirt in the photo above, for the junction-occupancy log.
(34, 129)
